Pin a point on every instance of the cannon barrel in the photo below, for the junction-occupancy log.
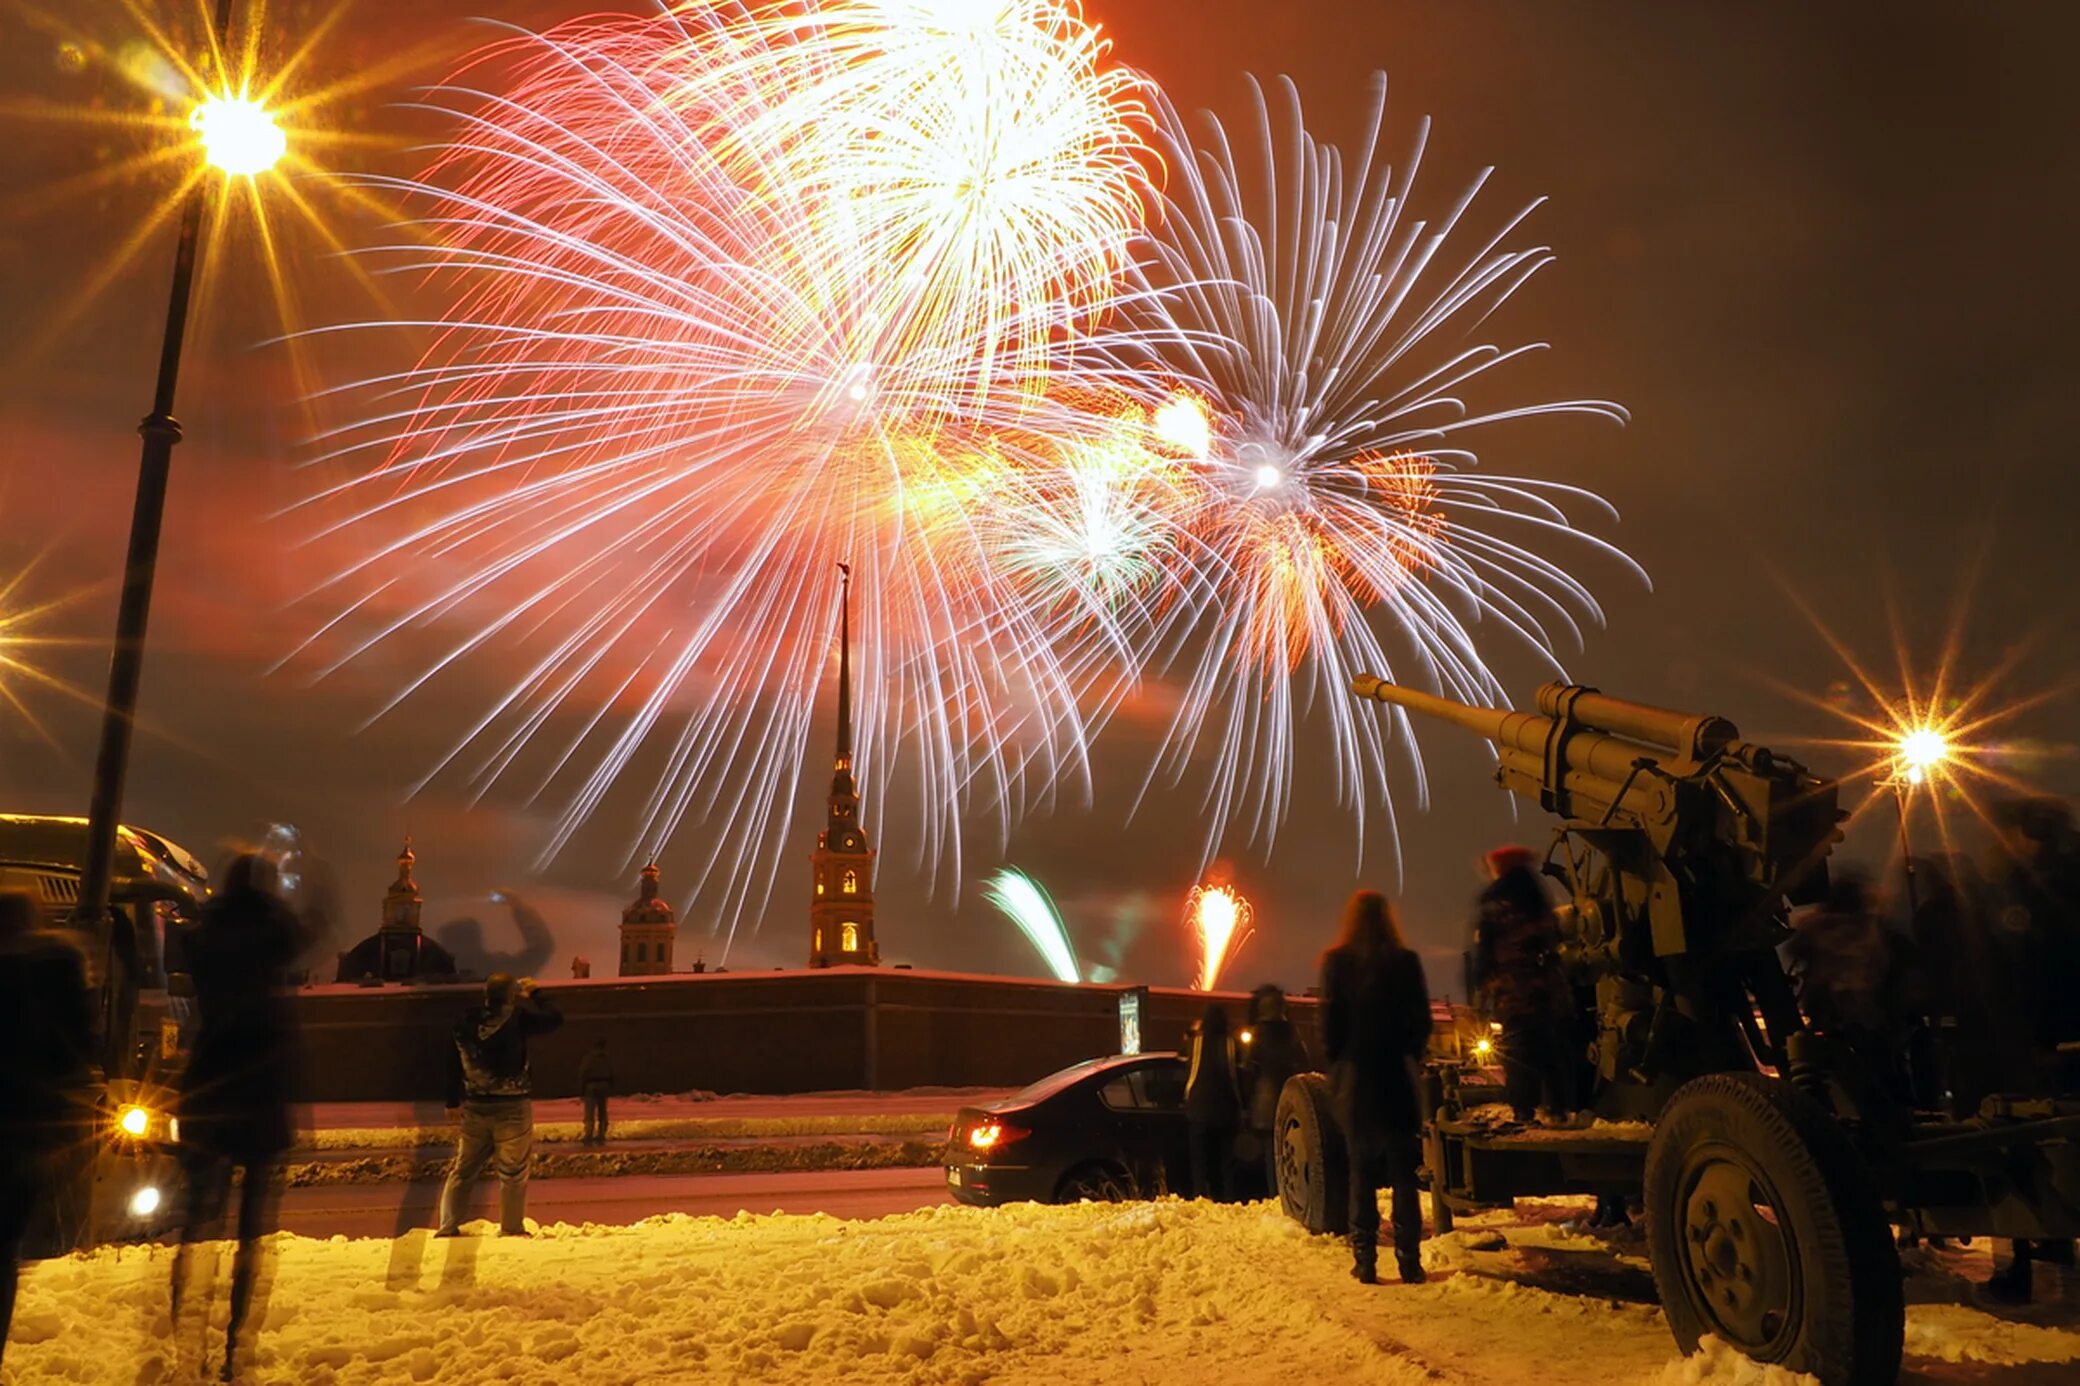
(1690, 734)
(1596, 769)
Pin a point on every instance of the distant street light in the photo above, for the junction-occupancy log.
(239, 135)
(1922, 750)
(240, 139)
(1919, 753)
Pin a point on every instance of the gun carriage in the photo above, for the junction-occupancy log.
(1772, 1161)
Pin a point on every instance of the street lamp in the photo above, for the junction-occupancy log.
(239, 135)
(240, 139)
(1919, 751)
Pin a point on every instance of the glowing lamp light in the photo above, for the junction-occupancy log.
(1482, 1048)
(1920, 751)
(134, 1121)
(1248, 1036)
(239, 135)
(145, 1202)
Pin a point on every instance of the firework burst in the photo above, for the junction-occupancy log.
(1219, 919)
(1023, 901)
(679, 376)
(1319, 332)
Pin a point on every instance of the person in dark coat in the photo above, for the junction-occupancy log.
(595, 1084)
(234, 1094)
(1516, 950)
(488, 1082)
(1842, 956)
(47, 1034)
(1275, 1052)
(2033, 888)
(1213, 1106)
(1375, 1018)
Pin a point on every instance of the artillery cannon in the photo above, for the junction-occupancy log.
(1771, 1161)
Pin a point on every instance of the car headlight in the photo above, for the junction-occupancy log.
(134, 1121)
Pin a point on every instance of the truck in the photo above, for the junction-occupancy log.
(1772, 1161)
(120, 1185)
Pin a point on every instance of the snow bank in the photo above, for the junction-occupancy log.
(1716, 1364)
(1154, 1293)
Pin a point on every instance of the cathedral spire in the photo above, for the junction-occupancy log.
(841, 912)
(844, 761)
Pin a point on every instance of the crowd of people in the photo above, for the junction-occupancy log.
(1997, 947)
(233, 1093)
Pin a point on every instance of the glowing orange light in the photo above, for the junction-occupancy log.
(239, 135)
(990, 1135)
(1219, 916)
(1921, 751)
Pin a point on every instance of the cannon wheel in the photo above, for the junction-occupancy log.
(1313, 1169)
(1764, 1231)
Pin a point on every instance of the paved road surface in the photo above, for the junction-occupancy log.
(384, 1210)
(326, 1115)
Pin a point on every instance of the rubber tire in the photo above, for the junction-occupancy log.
(1121, 1182)
(1845, 1268)
(1313, 1166)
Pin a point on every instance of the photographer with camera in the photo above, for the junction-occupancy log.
(488, 1082)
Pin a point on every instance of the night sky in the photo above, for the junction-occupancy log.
(1824, 254)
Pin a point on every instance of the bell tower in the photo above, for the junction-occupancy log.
(648, 929)
(841, 911)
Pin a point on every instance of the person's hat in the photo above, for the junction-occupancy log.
(1509, 858)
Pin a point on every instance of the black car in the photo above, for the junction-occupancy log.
(1104, 1130)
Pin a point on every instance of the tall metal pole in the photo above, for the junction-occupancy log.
(1906, 849)
(147, 517)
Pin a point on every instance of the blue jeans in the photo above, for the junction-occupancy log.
(497, 1131)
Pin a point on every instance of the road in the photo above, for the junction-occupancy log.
(385, 1210)
(328, 1115)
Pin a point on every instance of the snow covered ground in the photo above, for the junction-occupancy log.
(1167, 1292)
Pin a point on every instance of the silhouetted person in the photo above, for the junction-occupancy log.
(488, 1080)
(1516, 951)
(1375, 1018)
(1275, 1053)
(46, 1036)
(595, 1085)
(234, 1093)
(2033, 872)
(2033, 885)
(1842, 956)
(1213, 1106)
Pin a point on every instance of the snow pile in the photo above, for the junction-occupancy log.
(1155, 1293)
(1716, 1364)
(1955, 1333)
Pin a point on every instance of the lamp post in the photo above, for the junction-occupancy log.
(238, 138)
(1919, 752)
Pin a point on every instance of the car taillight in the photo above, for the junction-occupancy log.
(987, 1136)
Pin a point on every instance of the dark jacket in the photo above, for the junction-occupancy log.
(1516, 950)
(47, 1034)
(489, 1056)
(235, 1091)
(1212, 1091)
(596, 1071)
(1276, 1053)
(1375, 1016)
